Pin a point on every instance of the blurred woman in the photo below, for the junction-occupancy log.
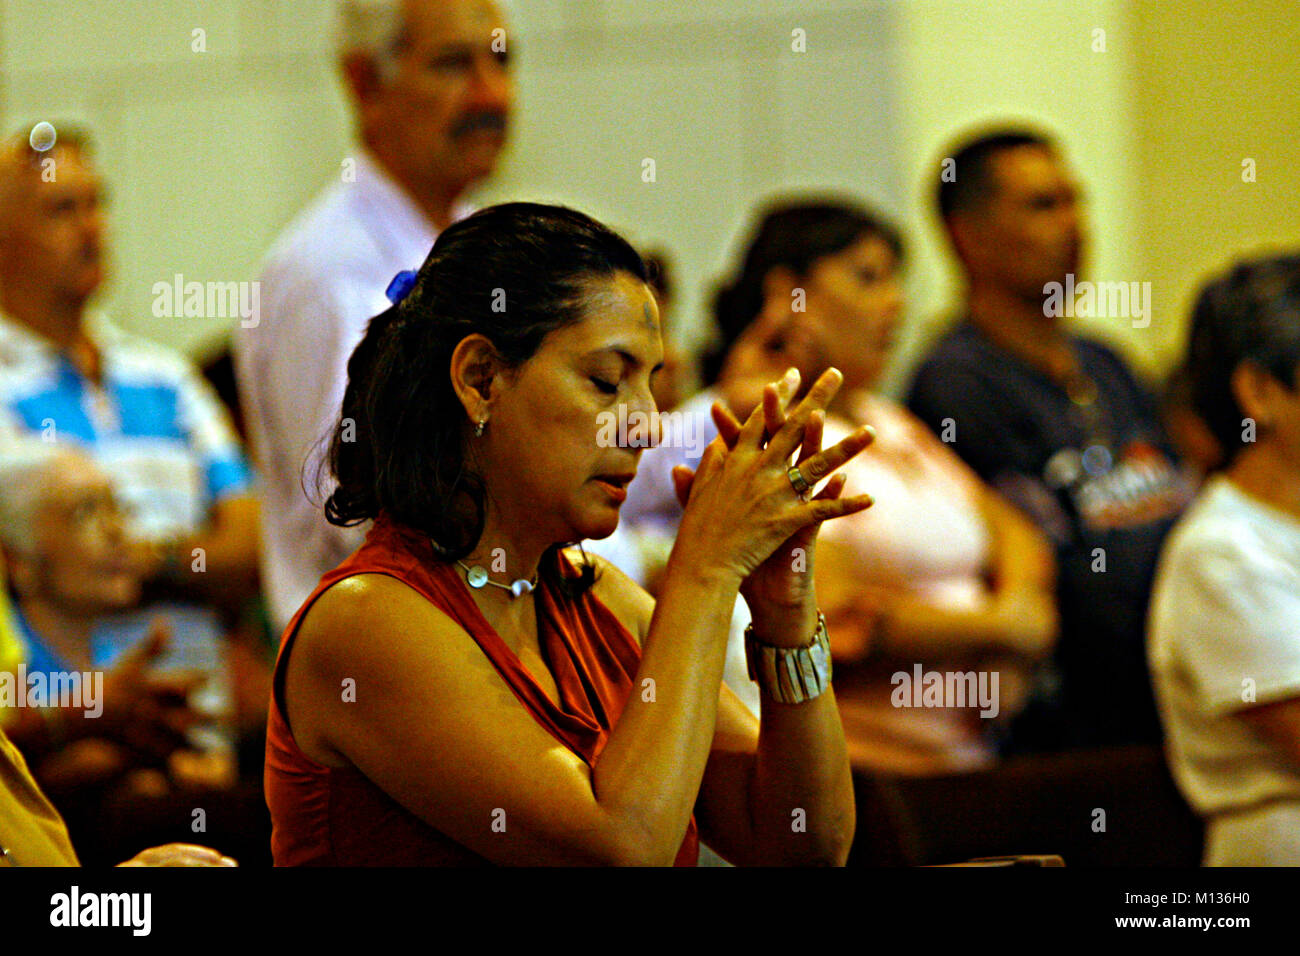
(941, 573)
(757, 337)
(464, 689)
(1225, 617)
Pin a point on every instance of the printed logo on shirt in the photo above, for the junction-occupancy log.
(1141, 487)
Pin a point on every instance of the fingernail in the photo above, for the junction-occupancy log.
(791, 374)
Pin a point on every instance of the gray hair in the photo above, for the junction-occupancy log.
(27, 466)
(373, 28)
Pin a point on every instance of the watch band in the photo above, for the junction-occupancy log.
(791, 675)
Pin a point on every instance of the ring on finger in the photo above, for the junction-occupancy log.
(798, 482)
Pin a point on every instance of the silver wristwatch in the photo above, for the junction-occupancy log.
(791, 675)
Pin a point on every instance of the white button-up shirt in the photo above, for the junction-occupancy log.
(324, 280)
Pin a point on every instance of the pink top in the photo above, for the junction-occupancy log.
(924, 534)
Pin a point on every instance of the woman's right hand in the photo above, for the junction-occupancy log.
(740, 504)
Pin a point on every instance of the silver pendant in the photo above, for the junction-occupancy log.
(521, 587)
(477, 577)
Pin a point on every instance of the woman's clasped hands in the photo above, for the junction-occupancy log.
(744, 513)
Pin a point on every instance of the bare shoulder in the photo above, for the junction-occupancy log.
(368, 630)
(362, 605)
(630, 603)
(428, 719)
(370, 620)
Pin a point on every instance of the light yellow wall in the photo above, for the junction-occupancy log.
(209, 154)
(1156, 127)
(717, 95)
(1214, 83)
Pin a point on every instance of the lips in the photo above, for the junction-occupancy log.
(615, 485)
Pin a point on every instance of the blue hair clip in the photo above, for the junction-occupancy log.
(401, 285)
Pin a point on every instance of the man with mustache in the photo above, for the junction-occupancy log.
(431, 93)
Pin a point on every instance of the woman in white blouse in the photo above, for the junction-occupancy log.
(1224, 641)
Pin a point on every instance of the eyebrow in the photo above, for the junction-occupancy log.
(625, 355)
(459, 46)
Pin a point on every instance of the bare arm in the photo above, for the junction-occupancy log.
(1020, 619)
(461, 753)
(218, 564)
(229, 546)
(1022, 560)
(779, 794)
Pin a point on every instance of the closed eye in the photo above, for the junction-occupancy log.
(459, 60)
(604, 386)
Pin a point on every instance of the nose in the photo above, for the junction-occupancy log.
(656, 427)
(113, 525)
(802, 349)
(645, 426)
(1071, 217)
(1071, 226)
(92, 224)
(491, 85)
(1074, 239)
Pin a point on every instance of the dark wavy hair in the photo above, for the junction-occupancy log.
(513, 273)
(1251, 314)
(793, 234)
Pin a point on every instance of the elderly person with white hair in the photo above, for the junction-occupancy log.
(431, 95)
(63, 539)
(59, 533)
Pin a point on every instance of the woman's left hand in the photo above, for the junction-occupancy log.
(781, 591)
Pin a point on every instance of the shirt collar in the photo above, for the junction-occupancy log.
(391, 207)
(20, 345)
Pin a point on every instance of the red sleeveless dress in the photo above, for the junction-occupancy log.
(323, 816)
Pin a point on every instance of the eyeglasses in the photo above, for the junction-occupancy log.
(103, 508)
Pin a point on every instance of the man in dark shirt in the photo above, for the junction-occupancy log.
(1060, 426)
